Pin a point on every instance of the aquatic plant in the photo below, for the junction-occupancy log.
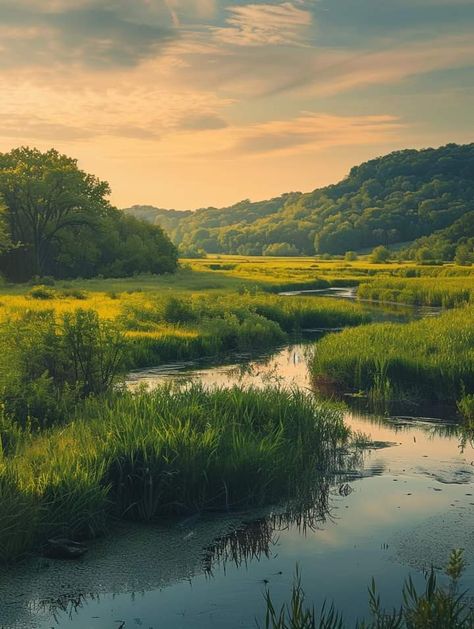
(437, 607)
(445, 292)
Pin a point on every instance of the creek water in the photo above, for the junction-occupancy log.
(409, 504)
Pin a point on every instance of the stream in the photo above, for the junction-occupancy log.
(408, 505)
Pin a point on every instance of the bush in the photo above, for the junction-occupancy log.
(42, 292)
(380, 255)
(47, 363)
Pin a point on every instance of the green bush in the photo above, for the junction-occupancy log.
(42, 292)
(48, 363)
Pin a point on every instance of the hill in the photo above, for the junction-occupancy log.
(403, 196)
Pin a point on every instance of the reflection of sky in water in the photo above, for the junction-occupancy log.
(412, 504)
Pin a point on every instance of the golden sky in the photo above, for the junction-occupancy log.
(190, 103)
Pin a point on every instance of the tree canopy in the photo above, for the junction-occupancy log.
(390, 200)
(58, 221)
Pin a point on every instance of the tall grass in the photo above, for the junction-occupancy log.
(169, 452)
(173, 328)
(430, 359)
(446, 292)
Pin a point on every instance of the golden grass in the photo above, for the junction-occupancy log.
(215, 274)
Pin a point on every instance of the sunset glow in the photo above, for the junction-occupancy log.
(190, 103)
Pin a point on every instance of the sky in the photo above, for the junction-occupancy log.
(192, 103)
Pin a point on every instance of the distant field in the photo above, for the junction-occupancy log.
(231, 274)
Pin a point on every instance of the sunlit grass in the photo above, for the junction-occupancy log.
(431, 359)
(446, 292)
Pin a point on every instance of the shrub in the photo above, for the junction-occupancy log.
(47, 363)
(42, 292)
(380, 255)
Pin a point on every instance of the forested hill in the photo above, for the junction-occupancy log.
(392, 199)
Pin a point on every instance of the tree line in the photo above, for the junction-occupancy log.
(394, 199)
(56, 220)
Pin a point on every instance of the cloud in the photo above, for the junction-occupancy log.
(255, 72)
(137, 111)
(264, 24)
(98, 34)
(393, 64)
(314, 131)
(294, 136)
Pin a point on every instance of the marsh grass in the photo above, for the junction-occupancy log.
(176, 328)
(164, 453)
(430, 359)
(444, 292)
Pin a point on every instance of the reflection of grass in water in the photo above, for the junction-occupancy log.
(437, 607)
(309, 507)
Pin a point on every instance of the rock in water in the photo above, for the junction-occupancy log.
(64, 549)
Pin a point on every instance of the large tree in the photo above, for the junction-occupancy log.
(45, 194)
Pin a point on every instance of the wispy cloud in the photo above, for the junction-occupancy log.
(264, 24)
(316, 131)
(308, 132)
(393, 63)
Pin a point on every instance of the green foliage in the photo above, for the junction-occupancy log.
(60, 222)
(42, 292)
(440, 291)
(464, 253)
(431, 359)
(145, 455)
(280, 249)
(205, 326)
(397, 198)
(48, 363)
(466, 408)
(438, 607)
(380, 255)
(443, 244)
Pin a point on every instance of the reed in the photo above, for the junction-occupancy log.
(437, 607)
(430, 359)
(164, 453)
(441, 291)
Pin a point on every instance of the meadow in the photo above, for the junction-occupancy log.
(166, 453)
